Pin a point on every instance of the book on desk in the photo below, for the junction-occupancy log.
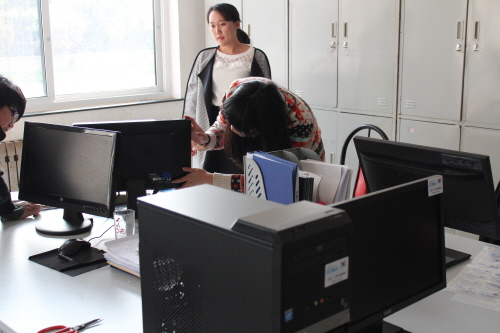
(123, 254)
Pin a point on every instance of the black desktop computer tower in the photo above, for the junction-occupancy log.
(212, 260)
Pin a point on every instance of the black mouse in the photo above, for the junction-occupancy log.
(73, 246)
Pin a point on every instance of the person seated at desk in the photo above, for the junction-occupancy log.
(12, 105)
(261, 115)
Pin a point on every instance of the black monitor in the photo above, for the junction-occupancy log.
(469, 196)
(397, 253)
(70, 168)
(152, 153)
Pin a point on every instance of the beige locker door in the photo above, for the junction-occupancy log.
(430, 134)
(327, 121)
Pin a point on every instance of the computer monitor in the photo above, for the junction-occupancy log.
(397, 253)
(469, 196)
(152, 153)
(70, 168)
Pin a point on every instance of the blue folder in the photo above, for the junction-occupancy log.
(279, 176)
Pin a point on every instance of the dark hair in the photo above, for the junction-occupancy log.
(11, 95)
(255, 107)
(230, 13)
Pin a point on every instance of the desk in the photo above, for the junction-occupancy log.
(33, 297)
(438, 313)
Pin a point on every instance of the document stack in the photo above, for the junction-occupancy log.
(296, 174)
(123, 254)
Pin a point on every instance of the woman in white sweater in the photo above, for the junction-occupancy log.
(213, 71)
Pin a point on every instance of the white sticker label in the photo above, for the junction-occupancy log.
(336, 271)
(435, 185)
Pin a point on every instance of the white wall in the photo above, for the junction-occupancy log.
(190, 31)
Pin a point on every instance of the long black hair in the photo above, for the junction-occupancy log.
(230, 13)
(258, 111)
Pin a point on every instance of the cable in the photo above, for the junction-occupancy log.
(103, 232)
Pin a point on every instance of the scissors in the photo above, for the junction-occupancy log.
(66, 329)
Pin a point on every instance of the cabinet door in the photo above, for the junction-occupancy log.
(327, 122)
(430, 134)
(433, 52)
(368, 54)
(484, 141)
(268, 31)
(209, 3)
(482, 98)
(313, 51)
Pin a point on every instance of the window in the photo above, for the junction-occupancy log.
(65, 53)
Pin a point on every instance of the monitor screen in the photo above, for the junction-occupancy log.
(397, 254)
(469, 202)
(70, 168)
(151, 154)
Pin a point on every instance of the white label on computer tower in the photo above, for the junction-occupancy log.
(336, 271)
(435, 185)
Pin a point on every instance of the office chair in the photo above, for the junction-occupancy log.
(360, 185)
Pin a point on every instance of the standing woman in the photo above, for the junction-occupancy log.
(213, 71)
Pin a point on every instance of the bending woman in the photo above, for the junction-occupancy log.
(213, 71)
(257, 114)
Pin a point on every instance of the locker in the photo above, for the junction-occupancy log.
(433, 53)
(328, 122)
(482, 100)
(437, 135)
(314, 51)
(268, 31)
(368, 55)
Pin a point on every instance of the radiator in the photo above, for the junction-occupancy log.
(10, 162)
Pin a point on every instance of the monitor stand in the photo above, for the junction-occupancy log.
(454, 257)
(135, 188)
(72, 223)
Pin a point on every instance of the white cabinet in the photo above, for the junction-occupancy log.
(368, 55)
(268, 31)
(445, 136)
(328, 122)
(432, 61)
(482, 97)
(313, 51)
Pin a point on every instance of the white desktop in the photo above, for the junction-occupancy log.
(33, 296)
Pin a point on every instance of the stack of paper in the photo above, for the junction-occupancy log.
(334, 183)
(123, 254)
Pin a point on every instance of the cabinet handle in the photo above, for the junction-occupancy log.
(334, 25)
(476, 30)
(460, 25)
(248, 29)
(345, 29)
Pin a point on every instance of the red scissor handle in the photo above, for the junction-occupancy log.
(60, 328)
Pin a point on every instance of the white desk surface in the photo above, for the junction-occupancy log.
(33, 296)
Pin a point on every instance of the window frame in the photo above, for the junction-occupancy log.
(161, 92)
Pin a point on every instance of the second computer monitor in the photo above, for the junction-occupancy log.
(469, 202)
(150, 155)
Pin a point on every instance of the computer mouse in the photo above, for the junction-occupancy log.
(73, 246)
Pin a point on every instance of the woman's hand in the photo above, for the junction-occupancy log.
(198, 136)
(195, 177)
(30, 209)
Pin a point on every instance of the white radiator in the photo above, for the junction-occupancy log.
(10, 162)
